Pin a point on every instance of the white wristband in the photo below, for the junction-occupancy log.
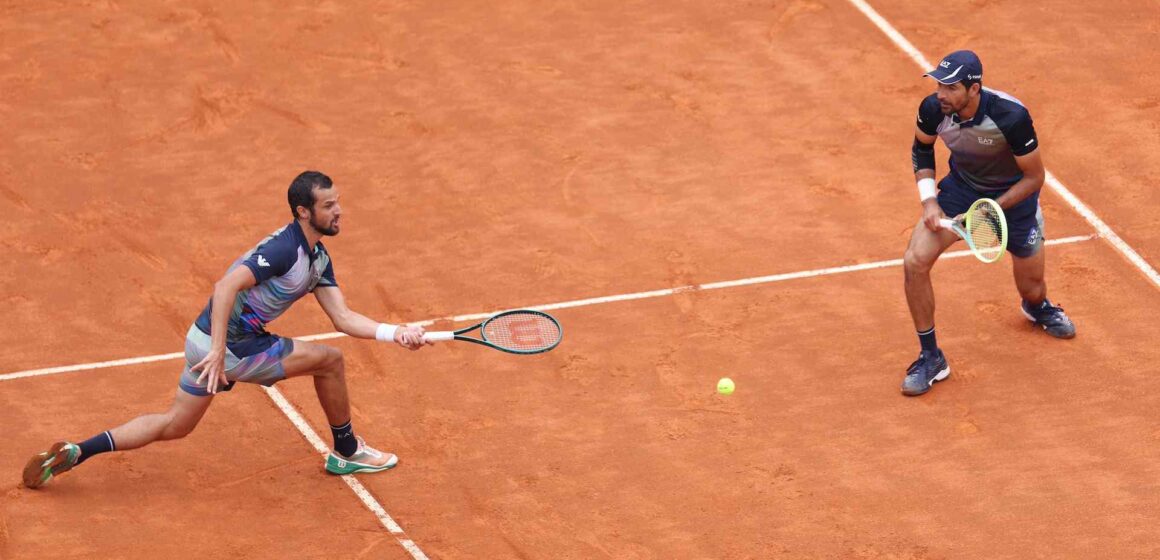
(926, 189)
(386, 332)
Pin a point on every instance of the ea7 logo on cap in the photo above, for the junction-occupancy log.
(945, 64)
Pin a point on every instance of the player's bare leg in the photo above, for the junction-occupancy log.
(327, 366)
(176, 422)
(1029, 280)
(923, 251)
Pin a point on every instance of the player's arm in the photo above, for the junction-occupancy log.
(1019, 131)
(1032, 181)
(225, 292)
(922, 156)
(358, 325)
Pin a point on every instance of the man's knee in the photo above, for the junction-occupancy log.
(184, 415)
(922, 252)
(179, 425)
(179, 430)
(1029, 277)
(333, 363)
(916, 262)
(1028, 272)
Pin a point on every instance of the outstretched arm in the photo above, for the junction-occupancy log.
(360, 326)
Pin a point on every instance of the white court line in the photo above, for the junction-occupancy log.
(1104, 230)
(94, 365)
(1082, 209)
(363, 494)
(551, 306)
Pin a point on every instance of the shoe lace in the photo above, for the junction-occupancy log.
(923, 357)
(1054, 314)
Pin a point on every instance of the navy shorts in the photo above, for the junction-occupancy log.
(1024, 220)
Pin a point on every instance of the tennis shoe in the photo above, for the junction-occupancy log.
(364, 459)
(928, 369)
(1052, 318)
(59, 458)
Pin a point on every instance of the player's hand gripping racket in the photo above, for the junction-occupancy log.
(522, 331)
(984, 228)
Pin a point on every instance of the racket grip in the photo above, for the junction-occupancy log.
(947, 223)
(438, 336)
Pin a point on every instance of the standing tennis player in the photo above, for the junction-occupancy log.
(228, 342)
(994, 154)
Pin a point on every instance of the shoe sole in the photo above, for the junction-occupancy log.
(1049, 333)
(38, 470)
(945, 373)
(352, 468)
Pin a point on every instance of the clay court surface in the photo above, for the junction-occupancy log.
(512, 154)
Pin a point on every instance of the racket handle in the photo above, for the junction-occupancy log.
(438, 336)
(947, 223)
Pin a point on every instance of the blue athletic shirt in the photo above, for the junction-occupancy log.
(983, 149)
(286, 269)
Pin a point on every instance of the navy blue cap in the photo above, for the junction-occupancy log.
(956, 67)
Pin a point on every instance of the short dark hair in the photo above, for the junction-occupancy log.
(968, 83)
(301, 191)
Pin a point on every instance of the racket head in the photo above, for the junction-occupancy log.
(985, 227)
(522, 331)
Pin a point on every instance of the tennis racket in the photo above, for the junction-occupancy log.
(522, 331)
(984, 228)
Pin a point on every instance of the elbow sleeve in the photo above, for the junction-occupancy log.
(922, 155)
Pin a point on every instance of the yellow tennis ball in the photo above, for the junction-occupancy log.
(725, 386)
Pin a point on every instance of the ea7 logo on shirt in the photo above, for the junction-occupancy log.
(986, 141)
(262, 261)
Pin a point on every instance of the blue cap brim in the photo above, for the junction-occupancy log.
(945, 76)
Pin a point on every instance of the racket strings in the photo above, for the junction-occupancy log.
(986, 231)
(522, 332)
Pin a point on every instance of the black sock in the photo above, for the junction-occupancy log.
(100, 443)
(344, 442)
(927, 340)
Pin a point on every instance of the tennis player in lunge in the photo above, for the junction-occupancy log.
(994, 154)
(228, 342)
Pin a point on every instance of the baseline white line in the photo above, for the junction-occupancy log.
(1052, 182)
(363, 494)
(748, 281)
(93, 365)
(562, 305)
